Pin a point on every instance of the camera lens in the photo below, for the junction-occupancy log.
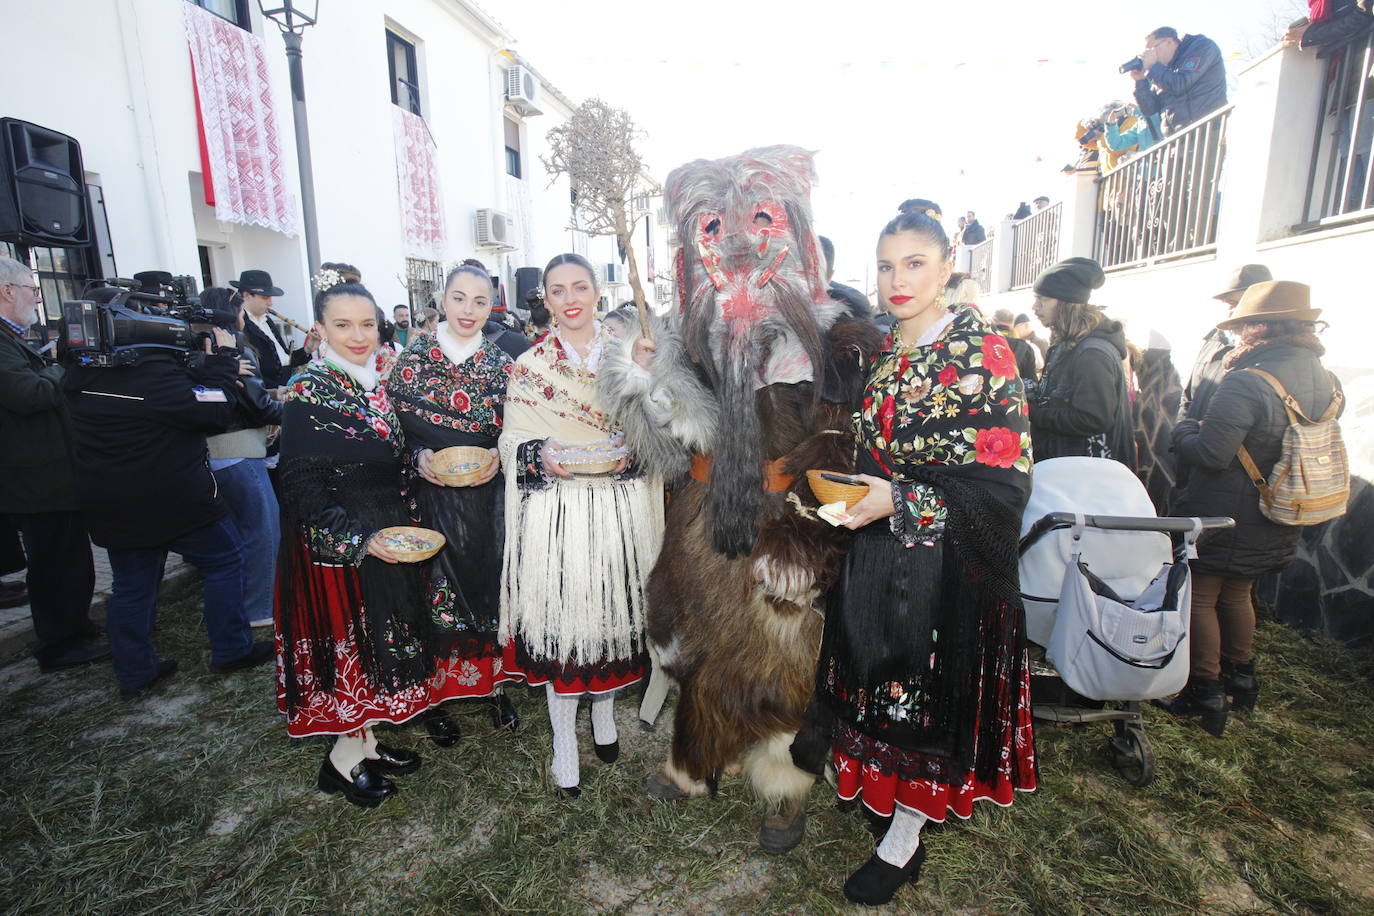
(1134, 63)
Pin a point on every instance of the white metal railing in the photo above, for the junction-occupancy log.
(1162, 204)
(1034, 245)
(980, 264)
(1340, 178)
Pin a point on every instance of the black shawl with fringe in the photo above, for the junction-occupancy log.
(342, 478)
(924, 647)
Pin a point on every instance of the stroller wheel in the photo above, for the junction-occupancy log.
(1131, 755)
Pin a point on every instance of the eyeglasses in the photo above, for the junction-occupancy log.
(37, 290)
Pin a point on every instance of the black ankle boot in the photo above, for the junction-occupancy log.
(1202, 697)
(1241, 684)
(503, 714)
(364, 787)
(876, 882)
(443, 731)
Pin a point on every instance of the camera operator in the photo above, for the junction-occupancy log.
(238, 459)
(144, 482)
(1182, 80)
(37, 490)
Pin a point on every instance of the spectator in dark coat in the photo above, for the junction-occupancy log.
(278, 360)
(856, 301)
(37, 487)
(974, 233)
(1080, 406)
(1182, 80)
(1217, 344)
(145, 486)
(1275, 330)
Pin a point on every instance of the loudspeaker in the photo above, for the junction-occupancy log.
(42, 187)
(526, 281)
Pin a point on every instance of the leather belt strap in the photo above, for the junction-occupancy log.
(775, 479)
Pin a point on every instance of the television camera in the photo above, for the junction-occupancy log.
(119, 321)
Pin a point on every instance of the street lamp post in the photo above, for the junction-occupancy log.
(293, 21)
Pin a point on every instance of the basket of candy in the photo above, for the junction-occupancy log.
(460, 466)
(591, 459)
(410, 544)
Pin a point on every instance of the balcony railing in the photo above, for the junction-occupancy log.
(980, 264)
(1162, 203)
(1340, 179)
(1035, 245)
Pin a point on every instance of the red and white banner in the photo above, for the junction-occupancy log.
(417, 174)
(246, 178)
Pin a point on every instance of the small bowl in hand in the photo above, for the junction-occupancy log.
(410, 544)
(459, 466)
(829, 491)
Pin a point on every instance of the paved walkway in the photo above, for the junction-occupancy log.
(16, 626)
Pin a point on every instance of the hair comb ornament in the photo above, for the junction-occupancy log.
(326, 279)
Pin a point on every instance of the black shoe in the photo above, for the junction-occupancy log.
(608, 753)
(395, 761)
(877, 824)
(1202, 698)
(259, 653)
(367, 788)
(443, 731)
(13, 594)
(569, 791)
(877, 882)
(503, 714)
(165, 669)
(1240, 684)
(83, 652)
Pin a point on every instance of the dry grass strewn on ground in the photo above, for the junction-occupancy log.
(195, 801)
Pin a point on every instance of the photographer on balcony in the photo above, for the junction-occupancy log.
(1181, 79)
(145, 485)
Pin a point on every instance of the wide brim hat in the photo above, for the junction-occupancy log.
(1244, 277)
(258, 282)
(1273, 300)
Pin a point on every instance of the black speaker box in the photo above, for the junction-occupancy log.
(42, 187)
(526, 281)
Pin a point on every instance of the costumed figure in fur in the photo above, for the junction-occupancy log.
(751, 383)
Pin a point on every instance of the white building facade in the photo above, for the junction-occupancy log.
(116, 75)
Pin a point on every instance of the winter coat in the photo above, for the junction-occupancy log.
(35, 435)
(1245, 410)
(1080, 406)
(139, 435)
(1027, 360)
(512, 342)
(1208, 371)
(974, 234)
(1192, 85)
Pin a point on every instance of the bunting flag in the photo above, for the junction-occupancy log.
(242, 165)
(417, 174)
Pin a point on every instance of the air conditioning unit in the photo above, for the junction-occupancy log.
(522, 91)
(611, 273)
(494, 229)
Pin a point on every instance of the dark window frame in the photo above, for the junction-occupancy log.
(514, 154)
(410, 80)
(242, 19)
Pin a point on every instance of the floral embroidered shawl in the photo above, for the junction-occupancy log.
(454, 403)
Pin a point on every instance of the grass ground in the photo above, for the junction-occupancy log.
(195, 801)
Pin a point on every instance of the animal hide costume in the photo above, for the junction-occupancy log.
(753, 382)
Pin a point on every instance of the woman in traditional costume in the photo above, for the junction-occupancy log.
(578, 547)
(449, 387)
(355, 645)
(923, 660)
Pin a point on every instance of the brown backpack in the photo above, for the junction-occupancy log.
(1310, 482)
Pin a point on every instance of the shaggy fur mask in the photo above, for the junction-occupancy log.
(753, 309)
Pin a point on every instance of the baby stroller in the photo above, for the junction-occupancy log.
(1106, 587)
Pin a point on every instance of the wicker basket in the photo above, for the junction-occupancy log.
(590, 459)
(460, 466)
(828, 491)
(433, 540)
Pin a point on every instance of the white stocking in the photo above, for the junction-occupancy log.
(603, 718)
(900, 842)
(348, 751)
(563, 720)
(370, 743)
